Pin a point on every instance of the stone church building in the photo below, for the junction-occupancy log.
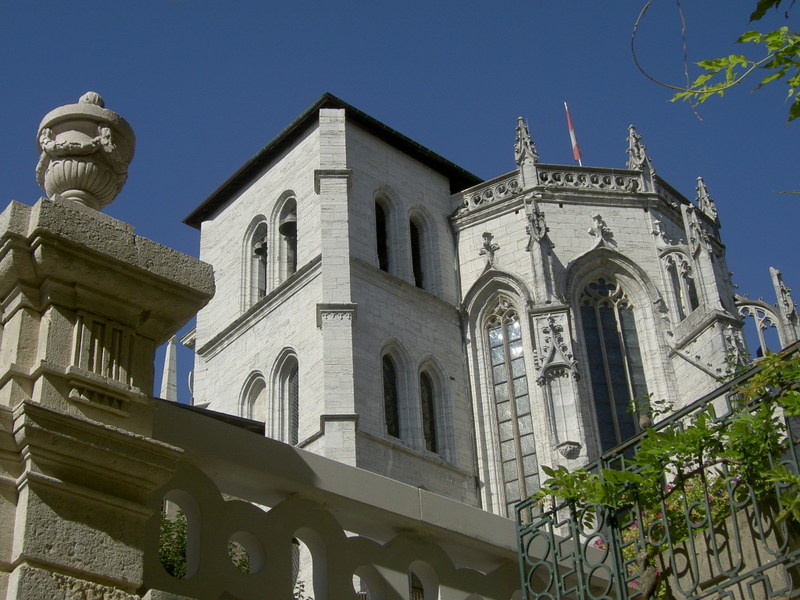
(379, 305)
(362, 302)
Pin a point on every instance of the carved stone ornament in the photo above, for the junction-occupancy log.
(524, 148)
(570, 450)
(554, 358)
(79, 589)
(488, 250)
(704, 202)
(785, 302)
(600, 230)
(659, 233)
(85, 150)
(537, 227)
(637, 157)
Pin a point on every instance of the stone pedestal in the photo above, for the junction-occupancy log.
(84, 303)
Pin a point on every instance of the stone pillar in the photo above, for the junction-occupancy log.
(85, 302)
(336, 313)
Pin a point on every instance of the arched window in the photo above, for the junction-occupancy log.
(415, 589)
(382, 236)
(520, 469)
(287, 229)
(615, 360)
(760, 329)
(418, 254)
(391, 412)
(427, 395)
(682, 282)
(253, 399)
(288, 383)
(256, 257)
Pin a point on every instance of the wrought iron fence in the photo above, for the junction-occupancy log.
(707, 533)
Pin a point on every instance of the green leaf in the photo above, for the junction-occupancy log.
(794, 111)
(749, 36)
(762, 7)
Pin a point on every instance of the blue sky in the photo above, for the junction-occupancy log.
(206, 84)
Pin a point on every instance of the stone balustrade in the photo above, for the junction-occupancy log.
(556, 176)
(491, 191)
(236, 486)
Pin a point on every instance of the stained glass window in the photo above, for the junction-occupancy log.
(615, 360)
(519, 466)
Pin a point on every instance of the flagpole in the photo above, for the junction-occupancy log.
(576, 152)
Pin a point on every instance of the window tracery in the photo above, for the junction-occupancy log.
(511, 401)
(614, 358)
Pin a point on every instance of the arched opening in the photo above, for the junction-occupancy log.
(256, 251)
(246, 552)
(428, 406)
(423, 584)
(288, 395)
(252, 404)
(391, 406)
(614, 357)
(179, 535)
(418, 254)
(759, 329)
(382, 236)
(287, 230)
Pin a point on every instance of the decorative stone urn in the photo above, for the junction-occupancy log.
(85, 150)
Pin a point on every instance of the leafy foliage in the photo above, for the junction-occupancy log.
(688, 474)
(172, 544)
(781, 62)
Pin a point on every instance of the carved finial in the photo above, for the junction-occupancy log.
(704, 201)
(488, 250)
(92, 98)
(784, 293)
(524, 148)
(637, 157)
(85, 150)
(600, 230)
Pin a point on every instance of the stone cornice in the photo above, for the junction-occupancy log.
(400, 288)
(262, 308)
(61, 448)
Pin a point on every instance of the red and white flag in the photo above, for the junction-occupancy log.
(576, 152)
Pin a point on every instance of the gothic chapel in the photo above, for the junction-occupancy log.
(381, 306)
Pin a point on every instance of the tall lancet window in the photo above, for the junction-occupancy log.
(391, 412)
(615, 360)
(289, 390)
(258, 251)
(520, 469)
(428, 406)
(287, 228)
(293, 402)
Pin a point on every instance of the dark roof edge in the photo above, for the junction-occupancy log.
(459, 178)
